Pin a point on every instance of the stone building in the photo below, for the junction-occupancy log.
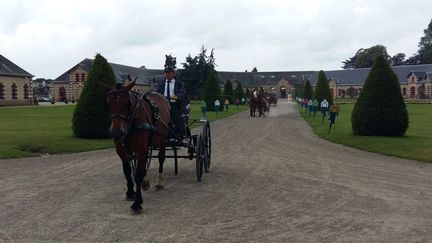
(69, 85)
(415, 81)
(15, 84)
(280, 82)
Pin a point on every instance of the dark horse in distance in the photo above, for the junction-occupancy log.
(257, 102)
(138, 120)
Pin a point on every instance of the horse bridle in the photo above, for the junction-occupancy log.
(119, 116)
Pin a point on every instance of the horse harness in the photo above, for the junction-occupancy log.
(130, 119)
(131, 124)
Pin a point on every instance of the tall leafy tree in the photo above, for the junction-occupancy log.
(90, 119)
(196, 70)
(425, 46)
(228, 91)
(413, 60)
(380, 109)
(398, 59)
(322, 89)
(364, 57)
(212, 92)
(307, 91)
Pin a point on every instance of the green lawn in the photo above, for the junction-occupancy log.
(416, 144)
(32, 131)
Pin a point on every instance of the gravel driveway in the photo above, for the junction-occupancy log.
(272, 180)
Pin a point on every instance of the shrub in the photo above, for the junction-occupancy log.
(90, 119)
(380, 109)
(322, 89)
(212, 92)
(307, 91)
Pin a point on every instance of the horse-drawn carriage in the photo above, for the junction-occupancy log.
(141, 125)
(198, 147)
(258, 102)
(272, 99)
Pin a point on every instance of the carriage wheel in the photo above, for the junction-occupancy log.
(199, 157)
(207, 145)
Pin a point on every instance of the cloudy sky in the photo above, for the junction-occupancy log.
(47, 37)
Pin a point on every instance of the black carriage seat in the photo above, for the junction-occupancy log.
(179, 123)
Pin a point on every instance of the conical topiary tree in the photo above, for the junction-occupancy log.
(247, 93)
(307, 91)
(228, 91)
(380, 109)
(239, 92)
(322, 89)
(212, 92)
(90, 119)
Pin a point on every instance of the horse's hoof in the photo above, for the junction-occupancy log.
(159, 187)
(136, 209)
(130, 197)
(145, 185)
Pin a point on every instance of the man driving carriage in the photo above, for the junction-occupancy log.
(175, 92)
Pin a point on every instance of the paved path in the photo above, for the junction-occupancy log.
(272, 180)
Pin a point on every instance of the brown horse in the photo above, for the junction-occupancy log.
(259, 103)
(138, 120)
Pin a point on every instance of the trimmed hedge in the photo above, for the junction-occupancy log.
(322, 89)
(380, 109)
(90, 119)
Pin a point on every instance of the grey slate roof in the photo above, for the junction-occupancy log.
(157, 74)
(358, 76)
(8, 68)
(120, 71)
(250, 79)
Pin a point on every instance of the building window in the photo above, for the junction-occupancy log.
(82, 77)
(2, 91)
(26, 91)
(62, 94)
(14, 91)
(404, 91)
(77, 77)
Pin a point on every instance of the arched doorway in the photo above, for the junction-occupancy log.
(412, 92)
(283, 92)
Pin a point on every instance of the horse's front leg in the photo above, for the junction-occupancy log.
(127, 171)
(141, 171)
(161, 157)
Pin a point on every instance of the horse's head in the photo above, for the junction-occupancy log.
(119, 104)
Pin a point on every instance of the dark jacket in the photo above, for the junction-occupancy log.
(179, 90)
